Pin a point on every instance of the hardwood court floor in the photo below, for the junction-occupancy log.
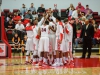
(16, 66)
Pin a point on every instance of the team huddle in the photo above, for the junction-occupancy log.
(50, 41)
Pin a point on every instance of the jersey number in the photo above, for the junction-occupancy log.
(43, 29)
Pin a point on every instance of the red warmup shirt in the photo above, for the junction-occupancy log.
(97, 34)
(80, 7)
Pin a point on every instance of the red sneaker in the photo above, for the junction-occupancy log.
(34, 63)
(40, 63)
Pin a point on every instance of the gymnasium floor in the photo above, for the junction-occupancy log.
(16, 66)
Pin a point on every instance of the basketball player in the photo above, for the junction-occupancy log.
(29, 43)
(59, 38)
(35, 42)
(68, 40)
(44, 43)
(52, 42)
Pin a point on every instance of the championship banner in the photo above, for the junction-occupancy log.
(3, 49)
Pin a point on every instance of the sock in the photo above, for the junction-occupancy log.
(40, 59)
(66, 59)
(26, 58)
(45, 60)
(57, 60)
(60, 60)
(54, 60)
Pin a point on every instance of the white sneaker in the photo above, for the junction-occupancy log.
(61, 64)
(56, 64)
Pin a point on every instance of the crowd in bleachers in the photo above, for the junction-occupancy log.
(16, 21)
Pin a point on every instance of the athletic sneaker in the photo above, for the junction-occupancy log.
(56, 64)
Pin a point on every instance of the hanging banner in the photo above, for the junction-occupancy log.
(3, 49)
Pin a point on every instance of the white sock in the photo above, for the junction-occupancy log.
(57, 60)
(34, 59)
(40, 59)
(54, 60)
(45, 60)
(26, 58)
(66, 59)
(60, 60)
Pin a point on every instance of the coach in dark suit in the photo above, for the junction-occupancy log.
(87, 34)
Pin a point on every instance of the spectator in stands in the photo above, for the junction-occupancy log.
(70, 10)
(9, 25)
(23, 44)
(29, 15)
(89, 15)
(23, 10)
(16, 18)
(78, 32)
(34, 14)
(87, 8)
(82, 16)
(41, 10)
(83, 21)
(32, 8)
(75, 13)
(94, 24)
(16, 43)
(19, 29)
(80, 7)
(96, 38)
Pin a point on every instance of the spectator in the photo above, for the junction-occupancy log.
(29, 15)
(87, 8)
(96, 38)
(82, 16)
(34, 14)
(16, 18)
(16, 43)
(78, 31)
(23, 10)
(19, 29)
(9, 25)
(32, 8)
(80, 7)
(23, 44)
(70, 10)
(41, 10)
(75, 13)
(89, 15)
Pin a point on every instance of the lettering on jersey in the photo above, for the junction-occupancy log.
(43, 29)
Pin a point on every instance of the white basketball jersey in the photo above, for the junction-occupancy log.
(44, 31)
(69, 35)
(29, 31)
(35, 30)
(53, 26)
